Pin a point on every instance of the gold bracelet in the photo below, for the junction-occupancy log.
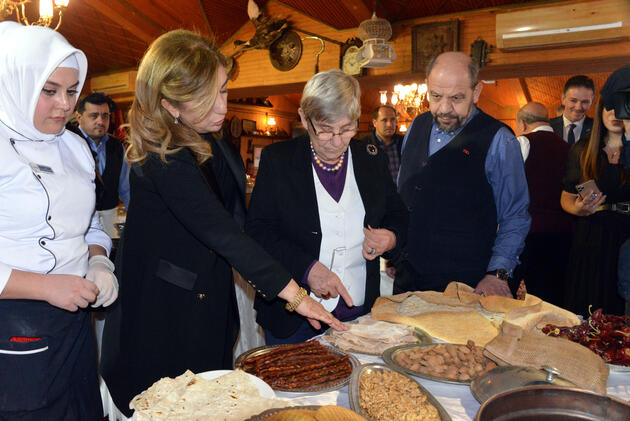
(297, 299)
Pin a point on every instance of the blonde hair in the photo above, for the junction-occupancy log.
(330, 96)
(179, 66)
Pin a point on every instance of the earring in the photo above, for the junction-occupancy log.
(176, 120)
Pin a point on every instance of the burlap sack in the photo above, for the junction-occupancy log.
(576, 363)
(449, 326)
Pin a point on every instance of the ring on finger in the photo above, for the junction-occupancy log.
(372, 251)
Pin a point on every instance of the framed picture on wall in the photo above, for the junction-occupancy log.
(249, 126)
(431, 39)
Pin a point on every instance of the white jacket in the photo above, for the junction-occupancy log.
(47, 196)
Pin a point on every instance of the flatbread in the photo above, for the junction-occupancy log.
(371, 336)
(457, 327)
(162, 390)
(414, 305)
(534, 318)
(421, 303)
(191, 397)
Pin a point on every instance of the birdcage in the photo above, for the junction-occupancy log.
(375, 29)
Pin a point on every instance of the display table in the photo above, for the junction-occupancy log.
(457, 400)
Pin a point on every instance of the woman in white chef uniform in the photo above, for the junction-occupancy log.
(48, 232)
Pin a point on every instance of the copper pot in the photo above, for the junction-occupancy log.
(552, 403)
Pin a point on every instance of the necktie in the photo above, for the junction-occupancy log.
(571, 135)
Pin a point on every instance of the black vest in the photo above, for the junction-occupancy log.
(107, 195)
(453, 218)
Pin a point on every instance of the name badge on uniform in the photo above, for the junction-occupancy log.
(41, 168)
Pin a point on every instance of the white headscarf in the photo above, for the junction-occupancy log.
(28, 56)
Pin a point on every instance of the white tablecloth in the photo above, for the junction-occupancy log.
(457, 400)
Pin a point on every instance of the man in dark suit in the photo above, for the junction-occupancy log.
(544, 259)
(112, 170)
(573, 124)
(385, 122)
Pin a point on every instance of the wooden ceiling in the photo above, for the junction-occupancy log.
(115, 33)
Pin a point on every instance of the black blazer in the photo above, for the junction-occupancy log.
(283, 217)
(176, 308)
(371, 138)
(557, 124)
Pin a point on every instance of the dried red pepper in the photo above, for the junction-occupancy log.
(605, 334)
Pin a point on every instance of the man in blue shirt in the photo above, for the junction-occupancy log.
(112, 170)
(463, 181)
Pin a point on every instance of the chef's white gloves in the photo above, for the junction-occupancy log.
(101, 272)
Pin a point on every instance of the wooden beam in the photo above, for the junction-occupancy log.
(554, 68)
(384, 10)
(128, 19)
(205, 18)
(525, 89)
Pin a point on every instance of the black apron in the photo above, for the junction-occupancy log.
(47, 363)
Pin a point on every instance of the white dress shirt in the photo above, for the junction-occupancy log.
(577, 130)
(47, 198)
(524, 141)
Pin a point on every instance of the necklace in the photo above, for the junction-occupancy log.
(323, 166)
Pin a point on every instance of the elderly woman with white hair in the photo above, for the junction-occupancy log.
(53, 260)
(325, 206)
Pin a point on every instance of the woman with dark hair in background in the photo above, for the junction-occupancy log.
(603, 221)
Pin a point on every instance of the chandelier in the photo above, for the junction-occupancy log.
(47, 9)
(408, 100)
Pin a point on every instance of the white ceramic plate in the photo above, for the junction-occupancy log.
(263, 388)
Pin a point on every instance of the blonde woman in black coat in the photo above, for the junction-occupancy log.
(177, 307)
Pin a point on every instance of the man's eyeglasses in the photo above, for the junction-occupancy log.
(326, 136)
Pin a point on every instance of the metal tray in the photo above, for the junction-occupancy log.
(324, 387)
(504, 378)
(273, 411)
(421, 335)
(354, 393)
(618, 368)
(389, 356)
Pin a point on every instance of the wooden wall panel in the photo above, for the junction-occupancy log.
(256, 71)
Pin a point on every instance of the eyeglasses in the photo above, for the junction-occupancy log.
(326, 136)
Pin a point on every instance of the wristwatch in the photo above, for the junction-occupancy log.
(502, 274)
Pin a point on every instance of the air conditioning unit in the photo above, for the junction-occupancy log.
(120, 83)
(575, 23)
